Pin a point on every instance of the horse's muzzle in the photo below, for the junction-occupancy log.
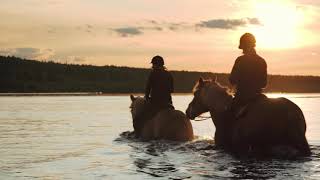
(188, 113)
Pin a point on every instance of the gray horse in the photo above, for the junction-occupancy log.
(167, 124)
(268, 124)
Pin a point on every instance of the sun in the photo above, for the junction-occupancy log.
(281, 24)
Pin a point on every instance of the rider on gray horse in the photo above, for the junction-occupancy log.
(160, 84)
(157, 93)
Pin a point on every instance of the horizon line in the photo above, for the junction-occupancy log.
(135, 67)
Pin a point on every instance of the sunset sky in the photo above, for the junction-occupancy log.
(194, 35)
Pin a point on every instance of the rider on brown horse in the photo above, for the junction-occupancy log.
(248, 75)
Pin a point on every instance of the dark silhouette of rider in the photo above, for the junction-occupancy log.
(249, 73)
(160, 84)
(157, 93)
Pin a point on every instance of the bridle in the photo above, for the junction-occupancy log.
(202, 118)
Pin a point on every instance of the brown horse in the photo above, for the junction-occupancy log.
(267, 124)
(167, 124)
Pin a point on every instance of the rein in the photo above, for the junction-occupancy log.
(202, 118)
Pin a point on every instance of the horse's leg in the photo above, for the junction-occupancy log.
(148, 130)
(296, 131)
(189, 129)
(239, 142)
(184, 131)
(183, 128)
(157, 127)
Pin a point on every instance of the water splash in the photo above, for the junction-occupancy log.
(200, 158)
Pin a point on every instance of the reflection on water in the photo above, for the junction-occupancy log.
(82, 138)
(200, 159)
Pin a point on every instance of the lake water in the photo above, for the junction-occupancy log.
(73, 137)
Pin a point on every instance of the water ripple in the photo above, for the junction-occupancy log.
(201, 159)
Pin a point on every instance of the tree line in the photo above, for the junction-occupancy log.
(19, 75)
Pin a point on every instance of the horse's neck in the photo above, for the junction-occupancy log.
(216, 117)
(212, 103)
(212, 114)
(215, 102)
(222, 102)
(140, 107)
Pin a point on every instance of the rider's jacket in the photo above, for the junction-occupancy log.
(249, 74)
(159, 86)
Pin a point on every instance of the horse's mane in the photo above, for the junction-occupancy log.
(213, 83)
(197, 85)
(138, 100)
(137, 106)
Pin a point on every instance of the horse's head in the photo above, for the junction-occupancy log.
(209, 95)
(137, 105)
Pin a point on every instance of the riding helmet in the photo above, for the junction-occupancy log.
(157, 60)
(247, 40)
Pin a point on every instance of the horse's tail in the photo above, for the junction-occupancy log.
(184, 130)
(170, 124)
(297, 129)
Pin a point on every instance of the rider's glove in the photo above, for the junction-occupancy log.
(147, 98)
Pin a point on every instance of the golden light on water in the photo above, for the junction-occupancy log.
(281, 25)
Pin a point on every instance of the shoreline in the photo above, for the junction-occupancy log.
(80, 94)
(118, 94)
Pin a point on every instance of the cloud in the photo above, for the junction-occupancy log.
(155, 28)
(175, 26)
(254, 21)
(228, 23)
(73, 59)
(128, 31)
(89, 26)
(180, 26)
(79, 59)
(28, 53)
(154, 22)
(51, 30)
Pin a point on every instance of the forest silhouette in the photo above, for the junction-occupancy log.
(19, 75)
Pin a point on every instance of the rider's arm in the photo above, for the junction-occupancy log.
(233, 78)
(171, 84)
(264, 75)
(148, 86)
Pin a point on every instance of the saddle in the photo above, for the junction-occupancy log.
(148, 114)
(242, 110)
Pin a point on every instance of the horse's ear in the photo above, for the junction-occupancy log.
(132, 97)
(201, 81)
